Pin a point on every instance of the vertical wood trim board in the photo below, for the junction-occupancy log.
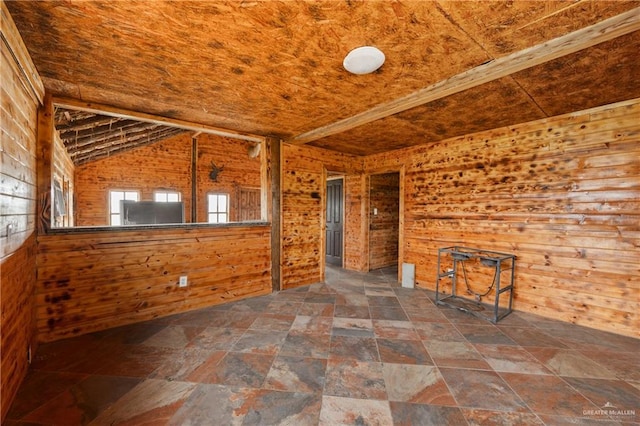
(44, 171)
(562, 194)
(194, 179)
(275, 188)
(401, 224)
(323, 224)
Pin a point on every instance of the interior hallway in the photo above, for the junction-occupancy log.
(358, 349)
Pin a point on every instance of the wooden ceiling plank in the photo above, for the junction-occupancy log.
(115, 141)
(108, 150)
(85, 123)
(102, 132)
(576, 41)
(109, 139)
(165, 121)
(148, 136)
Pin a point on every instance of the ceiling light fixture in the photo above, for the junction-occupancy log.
(363, 60)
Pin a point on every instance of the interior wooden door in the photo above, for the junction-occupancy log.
(334, 226)
(248, 204)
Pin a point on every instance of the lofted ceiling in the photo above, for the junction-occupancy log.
(88, 136)
(274, 68)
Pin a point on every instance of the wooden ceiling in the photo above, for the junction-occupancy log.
(88, 136)
(275, 67)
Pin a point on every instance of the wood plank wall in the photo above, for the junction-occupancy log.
(384, 197)
(94, 280)
(563, 194)
(166, 165)
(163, 165)
(303, 189)
(21, 92)
(240, 171)
(356, 232)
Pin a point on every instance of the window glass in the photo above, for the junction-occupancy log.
(218, 208)
(114, 204)
(166, 196)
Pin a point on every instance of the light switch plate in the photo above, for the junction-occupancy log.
(183, 281)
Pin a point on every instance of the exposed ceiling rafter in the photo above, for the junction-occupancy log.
(91, 132)
(109, 148)
(96, 108)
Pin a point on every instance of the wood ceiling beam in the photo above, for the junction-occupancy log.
(576, 41)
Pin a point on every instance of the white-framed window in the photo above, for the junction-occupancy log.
(166, 196)
(217, 208)
(115, 196)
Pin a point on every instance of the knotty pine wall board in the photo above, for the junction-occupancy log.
(94, 280)
(21, 93)
(561, 193)
(303, 205)
(356, 223)
(18, 282)
(164, 165)
(167, 165)
(239, 170)
(384, 190)
(17, 160)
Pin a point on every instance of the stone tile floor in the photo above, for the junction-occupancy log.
(357, 349)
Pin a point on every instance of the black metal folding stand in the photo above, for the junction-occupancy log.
(501, 262)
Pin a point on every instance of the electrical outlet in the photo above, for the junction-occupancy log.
(183, 281)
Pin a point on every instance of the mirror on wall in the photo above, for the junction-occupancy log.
(112, 170)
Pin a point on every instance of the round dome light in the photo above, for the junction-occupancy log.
(363, 60)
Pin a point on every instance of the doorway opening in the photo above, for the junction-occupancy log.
(384, 221)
